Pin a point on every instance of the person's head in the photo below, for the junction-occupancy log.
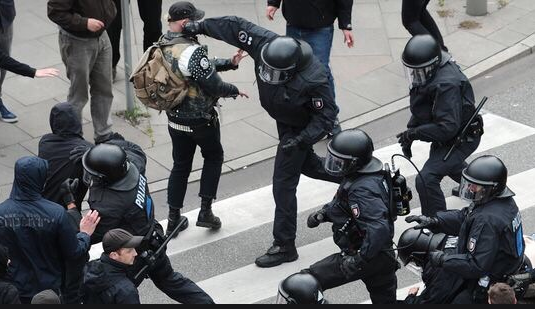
(46, 297)
(501, 294)
(421, 57)
(4, 260)
(121, 246)
(107, 165)
(64, 121)
(282, 58)
(484, 179)
(300, 288)
(30, 178)
(350, 152)
(180, 13)
(418, 241)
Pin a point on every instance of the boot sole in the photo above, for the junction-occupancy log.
(208, 225)
(292, 259)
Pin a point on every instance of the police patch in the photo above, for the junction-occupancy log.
(317, 103)
(243, 36)
(355, 210)
(472, 245)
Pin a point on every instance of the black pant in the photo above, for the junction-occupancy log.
(72, 280)
(417, 20)
(286, 174)
(172, 283)
(208, 137)
(435, 169)
(151, 14)
(379, 276)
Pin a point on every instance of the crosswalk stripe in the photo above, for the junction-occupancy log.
(251, 284)
(254, 208)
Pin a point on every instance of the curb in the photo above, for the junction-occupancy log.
(522, 49)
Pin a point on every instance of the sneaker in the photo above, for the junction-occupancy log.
(277, 255)
(7, 116)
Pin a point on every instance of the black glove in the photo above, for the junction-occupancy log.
(521, 281)
(316, 218)
(77, 153)
(292, 143)
(67, 189)
(351, 264)
(423, 222)
(193, 28)
(436, 258)
(405, 138)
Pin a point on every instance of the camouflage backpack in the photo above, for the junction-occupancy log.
(155, 83)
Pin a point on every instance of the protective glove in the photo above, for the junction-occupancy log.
(193, 28)
(423, 221)
(67, 189)
(292, 143)
(316, 218)
(521, 281)
(436, 258)
(406, 149)
(406, 138)
(77, 153)
(351, 264)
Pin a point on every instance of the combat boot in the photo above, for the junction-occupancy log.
(277, 255)
(172, 221)
(206, 217)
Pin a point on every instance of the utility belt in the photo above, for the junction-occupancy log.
(475, 130)
(189, 129)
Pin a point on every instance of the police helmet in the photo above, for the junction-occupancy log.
(421, 241)
(421, 57)
(281, 58)
(483, 179)
(107, 165)
(300, 288)
(349, 152)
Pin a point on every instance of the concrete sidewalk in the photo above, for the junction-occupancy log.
(370, 81)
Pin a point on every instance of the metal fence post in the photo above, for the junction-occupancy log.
(476, 7)
(127, 54)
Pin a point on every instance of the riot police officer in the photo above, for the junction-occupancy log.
(300, 289)
(361, 218)
(115, 173)
(490, 245)
(295, 91)
(441, 104)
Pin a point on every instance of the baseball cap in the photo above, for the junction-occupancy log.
(116, 239)
(182, 10)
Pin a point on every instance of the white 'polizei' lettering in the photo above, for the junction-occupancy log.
(141, 188)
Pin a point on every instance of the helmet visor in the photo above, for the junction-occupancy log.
(274, 76)
(335, 165)
(474, 192)
(91, 179)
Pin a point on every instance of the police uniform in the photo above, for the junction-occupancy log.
(490, 242)
(303, 106)
(361, 225)
(194, 122)
(440, 109)
(130, 207)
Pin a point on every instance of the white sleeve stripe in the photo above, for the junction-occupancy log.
(185, 57)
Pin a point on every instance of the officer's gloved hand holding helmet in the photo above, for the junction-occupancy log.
(484, 179)
(414, 245)
(107, 165)
(350, 152)
(282, 58)
(300, 288)
(421, 57)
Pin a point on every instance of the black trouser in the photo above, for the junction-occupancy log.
(417, 20)
(151, 14)
(172, 283)
(435, 169)
(379, 276)
(286, 174)
(72, 280)
(208, 138)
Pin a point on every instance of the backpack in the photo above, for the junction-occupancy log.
(155, 83)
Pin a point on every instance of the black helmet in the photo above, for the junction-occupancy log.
(350, 151)
(483, 179)
(422, 56)
(300, 288)
(107, 165)
(413, 240)
(281, 58)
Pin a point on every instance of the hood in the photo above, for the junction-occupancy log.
(64, 121)
(30, 178)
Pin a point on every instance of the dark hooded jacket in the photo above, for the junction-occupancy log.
(106, 282)
(8, 292)
(55, 148)
(37, 232)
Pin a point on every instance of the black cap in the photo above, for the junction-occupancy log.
(116, 239)
(182, 10)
